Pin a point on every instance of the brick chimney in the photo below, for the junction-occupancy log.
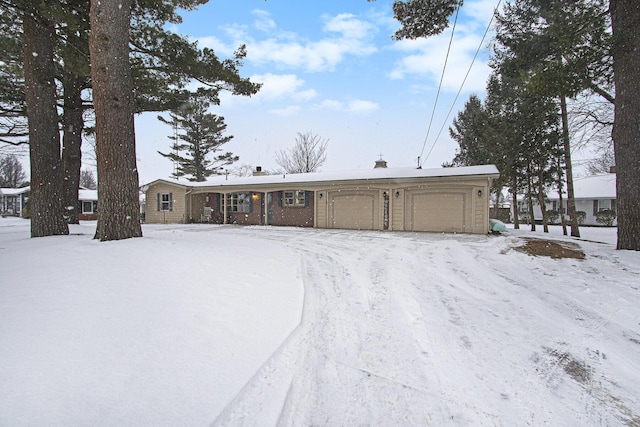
(612, 169)
(258, 171)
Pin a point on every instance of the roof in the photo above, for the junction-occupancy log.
(85, 194)
(14, 191)
(595, 187)
(352, 175)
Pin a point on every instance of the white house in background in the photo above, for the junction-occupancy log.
(13, 200)
(87, 204)
(592, 194)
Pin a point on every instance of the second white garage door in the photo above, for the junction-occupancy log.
(438, 212)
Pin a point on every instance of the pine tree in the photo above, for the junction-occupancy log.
(199, 136)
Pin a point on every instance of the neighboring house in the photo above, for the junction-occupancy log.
(87, 204)
(592, 195)
(13, 201)
(400, 199)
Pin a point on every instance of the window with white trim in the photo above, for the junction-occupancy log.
(239, 202)
(604, 205)
(294, 198)
(87, 207)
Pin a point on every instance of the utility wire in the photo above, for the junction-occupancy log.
(486, 31)
(435, 104)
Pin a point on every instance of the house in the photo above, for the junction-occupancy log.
(592, 194)
(13, 201)
(87, 204)
(452, 200)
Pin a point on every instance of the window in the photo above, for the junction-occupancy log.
(239, 202)
(165, 201)
(602, 205)
(294, 198)
(87, 207)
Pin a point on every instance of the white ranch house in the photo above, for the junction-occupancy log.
(592, 194)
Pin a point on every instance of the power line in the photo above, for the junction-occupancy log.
(446, 59)
(486, 31)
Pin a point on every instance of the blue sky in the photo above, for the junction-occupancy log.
(331, 68)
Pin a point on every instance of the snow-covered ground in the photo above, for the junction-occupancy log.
(198, 325)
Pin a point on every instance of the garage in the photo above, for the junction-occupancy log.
(439, 212)
(355, 210)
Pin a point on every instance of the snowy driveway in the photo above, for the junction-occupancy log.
(423, 329)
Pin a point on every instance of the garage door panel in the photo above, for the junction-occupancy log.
(439, 212)
(354, 211)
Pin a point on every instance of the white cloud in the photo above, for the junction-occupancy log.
(426, 57)
(349, 26)
(263, 21)
(345, 35)
(329, 104)
(360, 106)
(279, 86)
(286, 111)
(352, 106)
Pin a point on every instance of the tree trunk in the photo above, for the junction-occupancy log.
(119, 211)
(571, 201)
(561, 207)
(532, 220)
(73, 124)
(541, 202)
(46, 198)
(625, 18)
(496, 207)
(514, 200)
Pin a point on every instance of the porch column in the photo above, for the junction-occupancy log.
(266, 207)
(224, 208)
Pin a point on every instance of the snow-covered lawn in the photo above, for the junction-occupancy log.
(198, 325)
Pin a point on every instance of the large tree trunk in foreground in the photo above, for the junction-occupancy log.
(119, 210)
(46, 198)
(625, 17)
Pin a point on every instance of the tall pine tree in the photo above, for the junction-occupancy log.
(199, 136)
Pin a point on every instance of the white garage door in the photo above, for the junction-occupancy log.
(439, 212)
(355, 211)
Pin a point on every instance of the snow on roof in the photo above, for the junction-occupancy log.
(14, 191)
(595, 187)
(360, 174)
(85, 194)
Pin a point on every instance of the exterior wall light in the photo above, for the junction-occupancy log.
(479, 193)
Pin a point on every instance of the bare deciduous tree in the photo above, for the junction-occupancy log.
(307, 155)
(11, 173)
(87, 180)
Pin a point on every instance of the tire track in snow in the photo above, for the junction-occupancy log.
(429, 342)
